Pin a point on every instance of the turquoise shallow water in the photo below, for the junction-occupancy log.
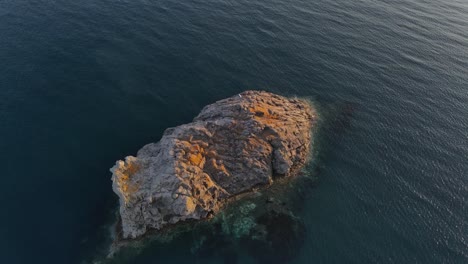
(84, 83)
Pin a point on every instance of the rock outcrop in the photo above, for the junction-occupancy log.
(231, 147)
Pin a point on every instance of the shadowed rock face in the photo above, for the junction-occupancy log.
(231, 147)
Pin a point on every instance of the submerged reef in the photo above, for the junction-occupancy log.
(266, 230)
(233, 147)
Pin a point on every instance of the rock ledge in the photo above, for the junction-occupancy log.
(231, 147)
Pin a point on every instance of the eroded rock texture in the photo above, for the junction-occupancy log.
(231, 147)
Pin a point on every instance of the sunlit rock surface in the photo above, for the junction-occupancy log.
(231, 147)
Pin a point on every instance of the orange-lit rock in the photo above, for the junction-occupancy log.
(231, 147)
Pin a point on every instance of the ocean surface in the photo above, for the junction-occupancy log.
(84, 83)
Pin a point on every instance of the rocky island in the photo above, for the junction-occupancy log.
(232, 147)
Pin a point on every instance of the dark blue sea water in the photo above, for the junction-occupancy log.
(86, 82)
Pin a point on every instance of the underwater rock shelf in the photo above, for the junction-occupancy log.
(232, 147)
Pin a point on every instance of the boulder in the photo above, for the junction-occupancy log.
(232, 147)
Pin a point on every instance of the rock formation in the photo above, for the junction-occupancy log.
(231, 147)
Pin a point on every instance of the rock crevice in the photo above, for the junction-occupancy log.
(231, 147)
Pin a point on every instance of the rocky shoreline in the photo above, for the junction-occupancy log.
(232, 147)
